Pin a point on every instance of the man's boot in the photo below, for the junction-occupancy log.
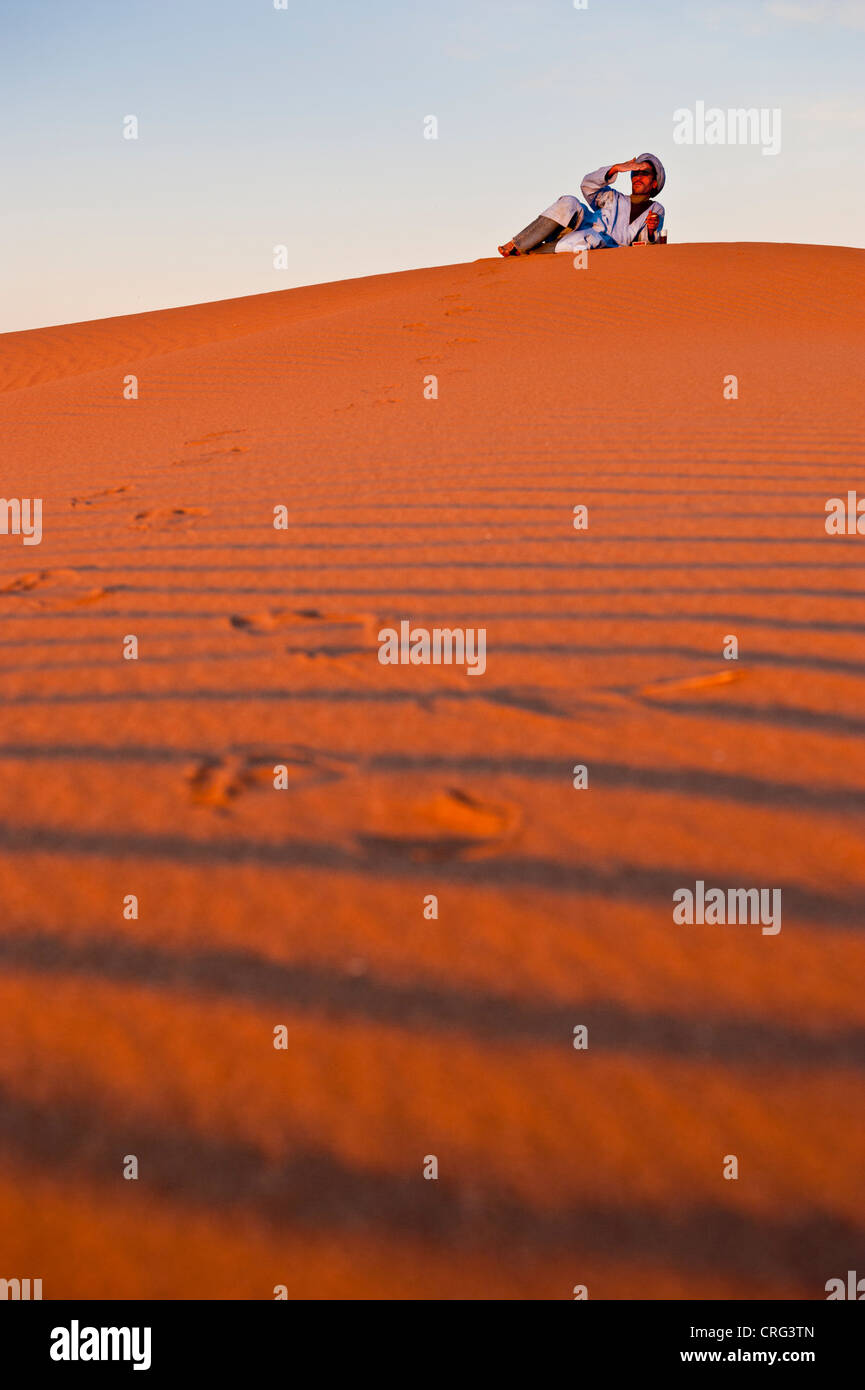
(532, 236)
(540, 235)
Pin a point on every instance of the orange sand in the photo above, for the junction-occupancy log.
(304, 907)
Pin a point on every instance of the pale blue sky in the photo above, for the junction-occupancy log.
(304, 127)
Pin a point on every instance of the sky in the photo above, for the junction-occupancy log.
(304, 127)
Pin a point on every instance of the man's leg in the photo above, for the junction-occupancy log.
(562, 215)
(551, 243)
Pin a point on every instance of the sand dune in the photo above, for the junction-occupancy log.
(303, 907)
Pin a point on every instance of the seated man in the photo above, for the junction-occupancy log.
(611, 219)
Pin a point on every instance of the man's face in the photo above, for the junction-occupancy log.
(642, 181)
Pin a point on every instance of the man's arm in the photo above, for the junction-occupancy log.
(601, 178)
(654, 223)
(594, 183)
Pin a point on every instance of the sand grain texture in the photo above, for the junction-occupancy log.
(303, 907)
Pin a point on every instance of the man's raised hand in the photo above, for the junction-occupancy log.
(624, 168)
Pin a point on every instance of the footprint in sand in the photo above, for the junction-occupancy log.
(206, 438)
(383, 400)
(216, 782)
(56, 589)
(454, 825)
(222, 453)
(164, 518)
(103, 497)
(378, 400)
(304, 620)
